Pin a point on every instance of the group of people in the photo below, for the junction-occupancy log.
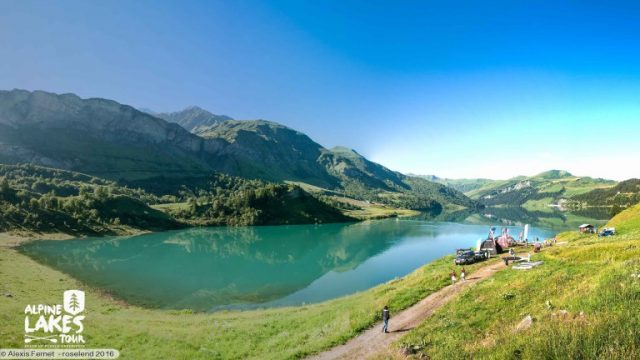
(454, 277)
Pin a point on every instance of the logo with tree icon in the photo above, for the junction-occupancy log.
(74, 301)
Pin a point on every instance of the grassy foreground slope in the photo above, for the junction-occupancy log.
(584, 301)
(261, 334)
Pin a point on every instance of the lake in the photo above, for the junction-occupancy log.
(209, 269)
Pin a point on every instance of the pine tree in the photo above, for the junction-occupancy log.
(73, 303)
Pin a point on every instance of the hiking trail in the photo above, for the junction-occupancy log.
(374, 342)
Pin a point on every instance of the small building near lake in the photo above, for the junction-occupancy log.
(586, 228)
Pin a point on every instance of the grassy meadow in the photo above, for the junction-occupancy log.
(584, 302)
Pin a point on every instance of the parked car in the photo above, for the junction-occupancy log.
(466, 257)
(607, 232)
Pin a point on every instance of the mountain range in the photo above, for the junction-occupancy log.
(549, 188)
(107, 139)
(115, 141)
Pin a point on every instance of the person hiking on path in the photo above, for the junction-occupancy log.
(385, 319)
(453, 277)
(462, 275)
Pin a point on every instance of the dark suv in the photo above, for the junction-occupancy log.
(465, 257)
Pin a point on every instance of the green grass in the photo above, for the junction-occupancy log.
(261, 334)
(567, 220)
(491, 185)
(365, 209)
(178, 206)
(589, 275)
(540, 204)
(627, 221)
(311, 188)
(370, 212)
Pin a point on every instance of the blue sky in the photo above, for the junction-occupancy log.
(453, 88)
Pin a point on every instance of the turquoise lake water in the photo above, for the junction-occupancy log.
(208, 269)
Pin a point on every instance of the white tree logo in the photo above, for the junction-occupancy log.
(74, 301)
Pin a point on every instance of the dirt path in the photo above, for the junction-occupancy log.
(374, 342)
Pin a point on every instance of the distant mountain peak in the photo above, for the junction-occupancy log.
(554, 174)
(344, 149)
(193, 118)
(194, 108)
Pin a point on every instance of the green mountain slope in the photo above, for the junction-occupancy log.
(550, 187)
(356, 171)
(361, 178)
(273, 151)
(114, 141)
(267, 150)
(462, 185)
(624, 194)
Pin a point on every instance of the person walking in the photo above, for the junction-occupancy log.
(453, 277)
(385, 319)
(462, 275)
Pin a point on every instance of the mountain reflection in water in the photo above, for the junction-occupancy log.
(247, 267)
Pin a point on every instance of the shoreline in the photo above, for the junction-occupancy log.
(13, 239)
(21, 240)
(295, 331)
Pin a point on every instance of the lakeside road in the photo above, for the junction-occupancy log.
(374, 342)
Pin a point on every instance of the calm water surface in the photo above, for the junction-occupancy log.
(248, 267)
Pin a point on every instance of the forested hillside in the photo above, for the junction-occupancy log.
(228, 200)
(38, 199)
(623, 195)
